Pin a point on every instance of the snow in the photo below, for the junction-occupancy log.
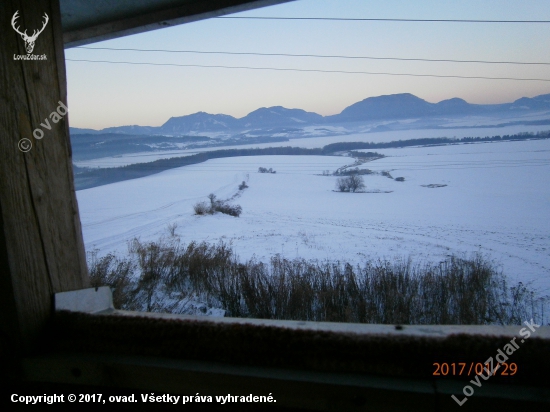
(319, 136)
(496, 202)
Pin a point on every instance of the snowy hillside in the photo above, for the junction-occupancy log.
(319, 136)
(492, 198)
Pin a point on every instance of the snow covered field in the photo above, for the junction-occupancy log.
(345, 135)
(496, 201)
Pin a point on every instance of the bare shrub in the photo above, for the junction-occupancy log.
(217, 205)
(454, 291)
(213, 202)
(232, 210)
(172, 228)
(265, 170)
(243, 185)
(116, 273)
(155, 261)
(201, 208)
(342, 185)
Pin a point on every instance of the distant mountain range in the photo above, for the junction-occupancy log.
(388, 107)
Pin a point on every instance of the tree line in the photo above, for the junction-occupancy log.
(430, 141)
(98, 177)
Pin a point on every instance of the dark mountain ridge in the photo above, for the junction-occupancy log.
(387, 107)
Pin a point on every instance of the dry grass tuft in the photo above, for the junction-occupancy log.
(456, 291)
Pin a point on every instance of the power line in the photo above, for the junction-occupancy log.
(315, 55)
(309, 70)
(389, 20)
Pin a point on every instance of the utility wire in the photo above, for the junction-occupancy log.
(390, 20)
(308, 70)
(316, 55)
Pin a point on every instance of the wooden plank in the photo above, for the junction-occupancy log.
(290, 388)
(426, 331)
(42, 251)
(136, 22)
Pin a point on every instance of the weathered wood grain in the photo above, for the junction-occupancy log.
(41, 246)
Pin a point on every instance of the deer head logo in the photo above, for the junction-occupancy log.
(29, 40)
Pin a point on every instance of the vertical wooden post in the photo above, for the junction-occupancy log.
(41, 247)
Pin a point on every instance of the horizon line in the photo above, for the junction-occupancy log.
(324, 116)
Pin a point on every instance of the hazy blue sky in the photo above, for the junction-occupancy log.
(103, 95)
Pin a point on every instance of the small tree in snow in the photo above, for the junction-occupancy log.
(213, 202)
(355, 183)
(352, 183)
(341, 184)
